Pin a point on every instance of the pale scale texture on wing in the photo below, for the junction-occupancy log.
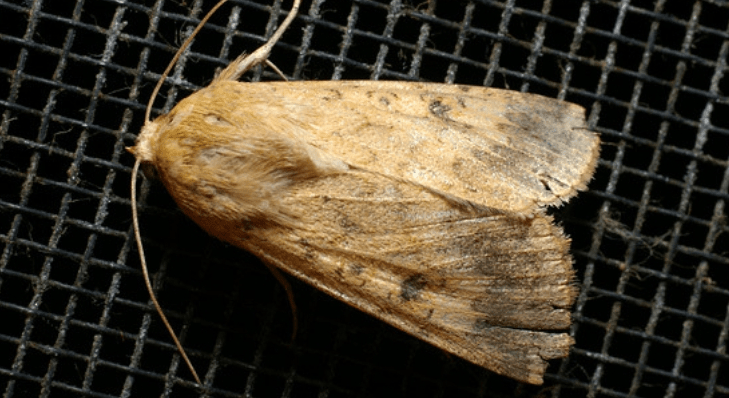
(449, 264)
(496, 148)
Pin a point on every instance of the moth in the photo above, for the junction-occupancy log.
(421, 204)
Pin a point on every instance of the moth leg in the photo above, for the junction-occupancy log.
(242, 64)
(289, 294)
(276, 69)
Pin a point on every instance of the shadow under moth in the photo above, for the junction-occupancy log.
(421, 204)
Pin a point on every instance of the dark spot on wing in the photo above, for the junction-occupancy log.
(334, 95)
(309, 252)
(245, 225)
(410, 288)
(356, 269)
(439, 109)
(217, 120)
(482, 325)
(348, 225)
(548, 182)
(533, 115)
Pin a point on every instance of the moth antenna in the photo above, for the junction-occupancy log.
(233, 71)
(241, 65)
(135, 170)
(145, 272)
(183, 47)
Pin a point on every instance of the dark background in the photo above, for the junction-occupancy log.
(649, 238)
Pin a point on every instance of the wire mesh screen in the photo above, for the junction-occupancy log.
(649, 238)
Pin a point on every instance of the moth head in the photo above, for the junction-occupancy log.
(143, 150)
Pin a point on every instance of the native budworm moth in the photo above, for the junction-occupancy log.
(421, 204)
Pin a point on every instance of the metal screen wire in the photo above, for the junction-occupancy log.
(649, 238)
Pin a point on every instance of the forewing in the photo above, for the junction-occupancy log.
(497, 148)
(486, 287)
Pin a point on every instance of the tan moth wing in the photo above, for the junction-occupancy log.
(433, 224)
(497, 148)
(486, 287)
